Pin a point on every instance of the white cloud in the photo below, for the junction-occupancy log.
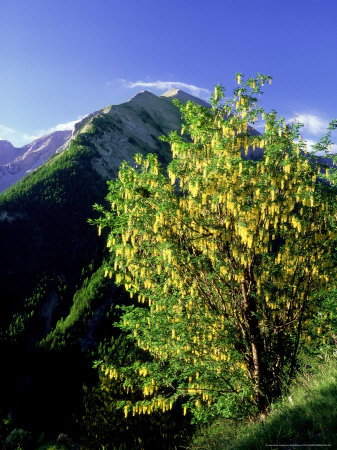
(19, 139)
(15, 137)
(4, 129)
(312, 124)
(310, 143)
(165, 85)
(314, 127)
(61, 127)
(259, 126)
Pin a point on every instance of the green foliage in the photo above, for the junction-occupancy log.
(93, 298)
(18, 439)
(30, 317)
(225, 256)
(104, 424)
(321, 338)
(306, 415)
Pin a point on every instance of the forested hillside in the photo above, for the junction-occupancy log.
(55, 299)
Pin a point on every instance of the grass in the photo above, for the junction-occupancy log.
(307, 415)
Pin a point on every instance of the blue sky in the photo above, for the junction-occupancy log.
(61, 60)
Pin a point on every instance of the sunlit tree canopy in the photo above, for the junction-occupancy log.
(223, 254)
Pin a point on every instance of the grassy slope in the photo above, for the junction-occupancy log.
(307, 414)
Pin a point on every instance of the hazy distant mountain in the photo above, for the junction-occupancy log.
(8, 152)
(15, 163)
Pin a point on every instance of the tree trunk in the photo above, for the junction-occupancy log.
(255, 344)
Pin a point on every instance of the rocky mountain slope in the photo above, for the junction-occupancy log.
(8, 152)
(184, 97)
(15, 163)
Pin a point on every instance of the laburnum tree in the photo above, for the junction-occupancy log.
(223, 253)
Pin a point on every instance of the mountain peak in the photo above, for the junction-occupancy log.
(7, 151)
(4, 144)
(141, 95)
(173, 93)
(184, 97)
